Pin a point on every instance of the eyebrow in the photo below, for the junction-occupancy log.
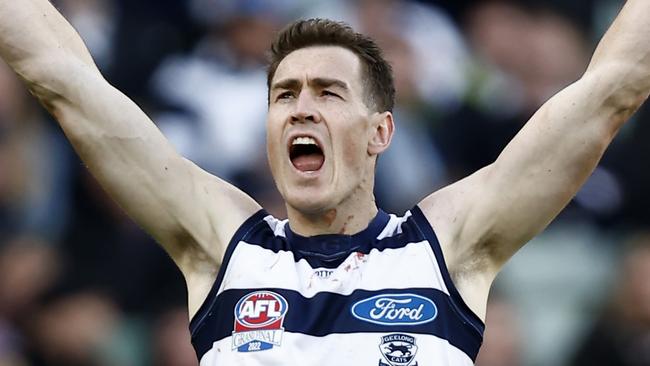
(327, 82)
(293, 84)
(287, 84)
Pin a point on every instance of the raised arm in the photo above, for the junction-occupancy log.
(191, 213)
(484, 219)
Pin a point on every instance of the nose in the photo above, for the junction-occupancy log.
(305, 109)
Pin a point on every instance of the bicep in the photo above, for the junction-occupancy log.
(501, 207)
(187, 210)
(545, 165)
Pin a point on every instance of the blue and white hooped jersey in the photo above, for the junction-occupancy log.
(382, 297)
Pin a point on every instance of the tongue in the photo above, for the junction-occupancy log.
(308, 163)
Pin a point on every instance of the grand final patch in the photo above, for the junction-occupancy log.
(258, 321)
(398, 350)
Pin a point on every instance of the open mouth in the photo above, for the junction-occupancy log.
(305, 154)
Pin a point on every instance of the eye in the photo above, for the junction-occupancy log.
(285, 95)
(327, 93)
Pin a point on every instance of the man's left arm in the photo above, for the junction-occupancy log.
(484, 219)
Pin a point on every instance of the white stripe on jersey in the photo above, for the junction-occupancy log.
(368, 272)
(394, 226)
(276, 225)
(342, 350)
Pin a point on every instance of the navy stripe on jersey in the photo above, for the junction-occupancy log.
(328, 313)
(329, 251)
(249, 225)
(461, 307)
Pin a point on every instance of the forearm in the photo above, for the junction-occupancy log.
(33, 35)
(622, 59)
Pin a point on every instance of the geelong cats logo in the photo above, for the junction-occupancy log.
(398, 349)
(258, 321)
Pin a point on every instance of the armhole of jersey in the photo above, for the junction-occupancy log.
(461, 306)
(240, 234)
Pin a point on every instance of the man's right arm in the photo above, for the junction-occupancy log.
(191, 213)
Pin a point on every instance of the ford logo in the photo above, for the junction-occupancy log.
(395, 309)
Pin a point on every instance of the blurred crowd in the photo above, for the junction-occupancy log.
(80, 284)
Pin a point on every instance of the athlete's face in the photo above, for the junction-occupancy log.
(322, 138)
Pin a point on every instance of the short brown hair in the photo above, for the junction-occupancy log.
(378, 76)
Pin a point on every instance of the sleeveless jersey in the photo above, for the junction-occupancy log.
(380, 297)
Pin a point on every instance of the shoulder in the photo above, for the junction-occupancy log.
(464, 239)
(450, 211)
(205, 275)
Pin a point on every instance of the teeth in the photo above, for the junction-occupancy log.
(303, 141)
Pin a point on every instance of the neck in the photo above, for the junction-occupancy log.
(349, 217)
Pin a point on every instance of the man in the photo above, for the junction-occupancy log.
(341, 282)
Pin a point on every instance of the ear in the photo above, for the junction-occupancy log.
(383, 128)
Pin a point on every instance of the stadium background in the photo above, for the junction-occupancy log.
(82, 285)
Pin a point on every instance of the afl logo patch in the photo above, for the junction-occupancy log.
(395, 309)
(258, 321)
